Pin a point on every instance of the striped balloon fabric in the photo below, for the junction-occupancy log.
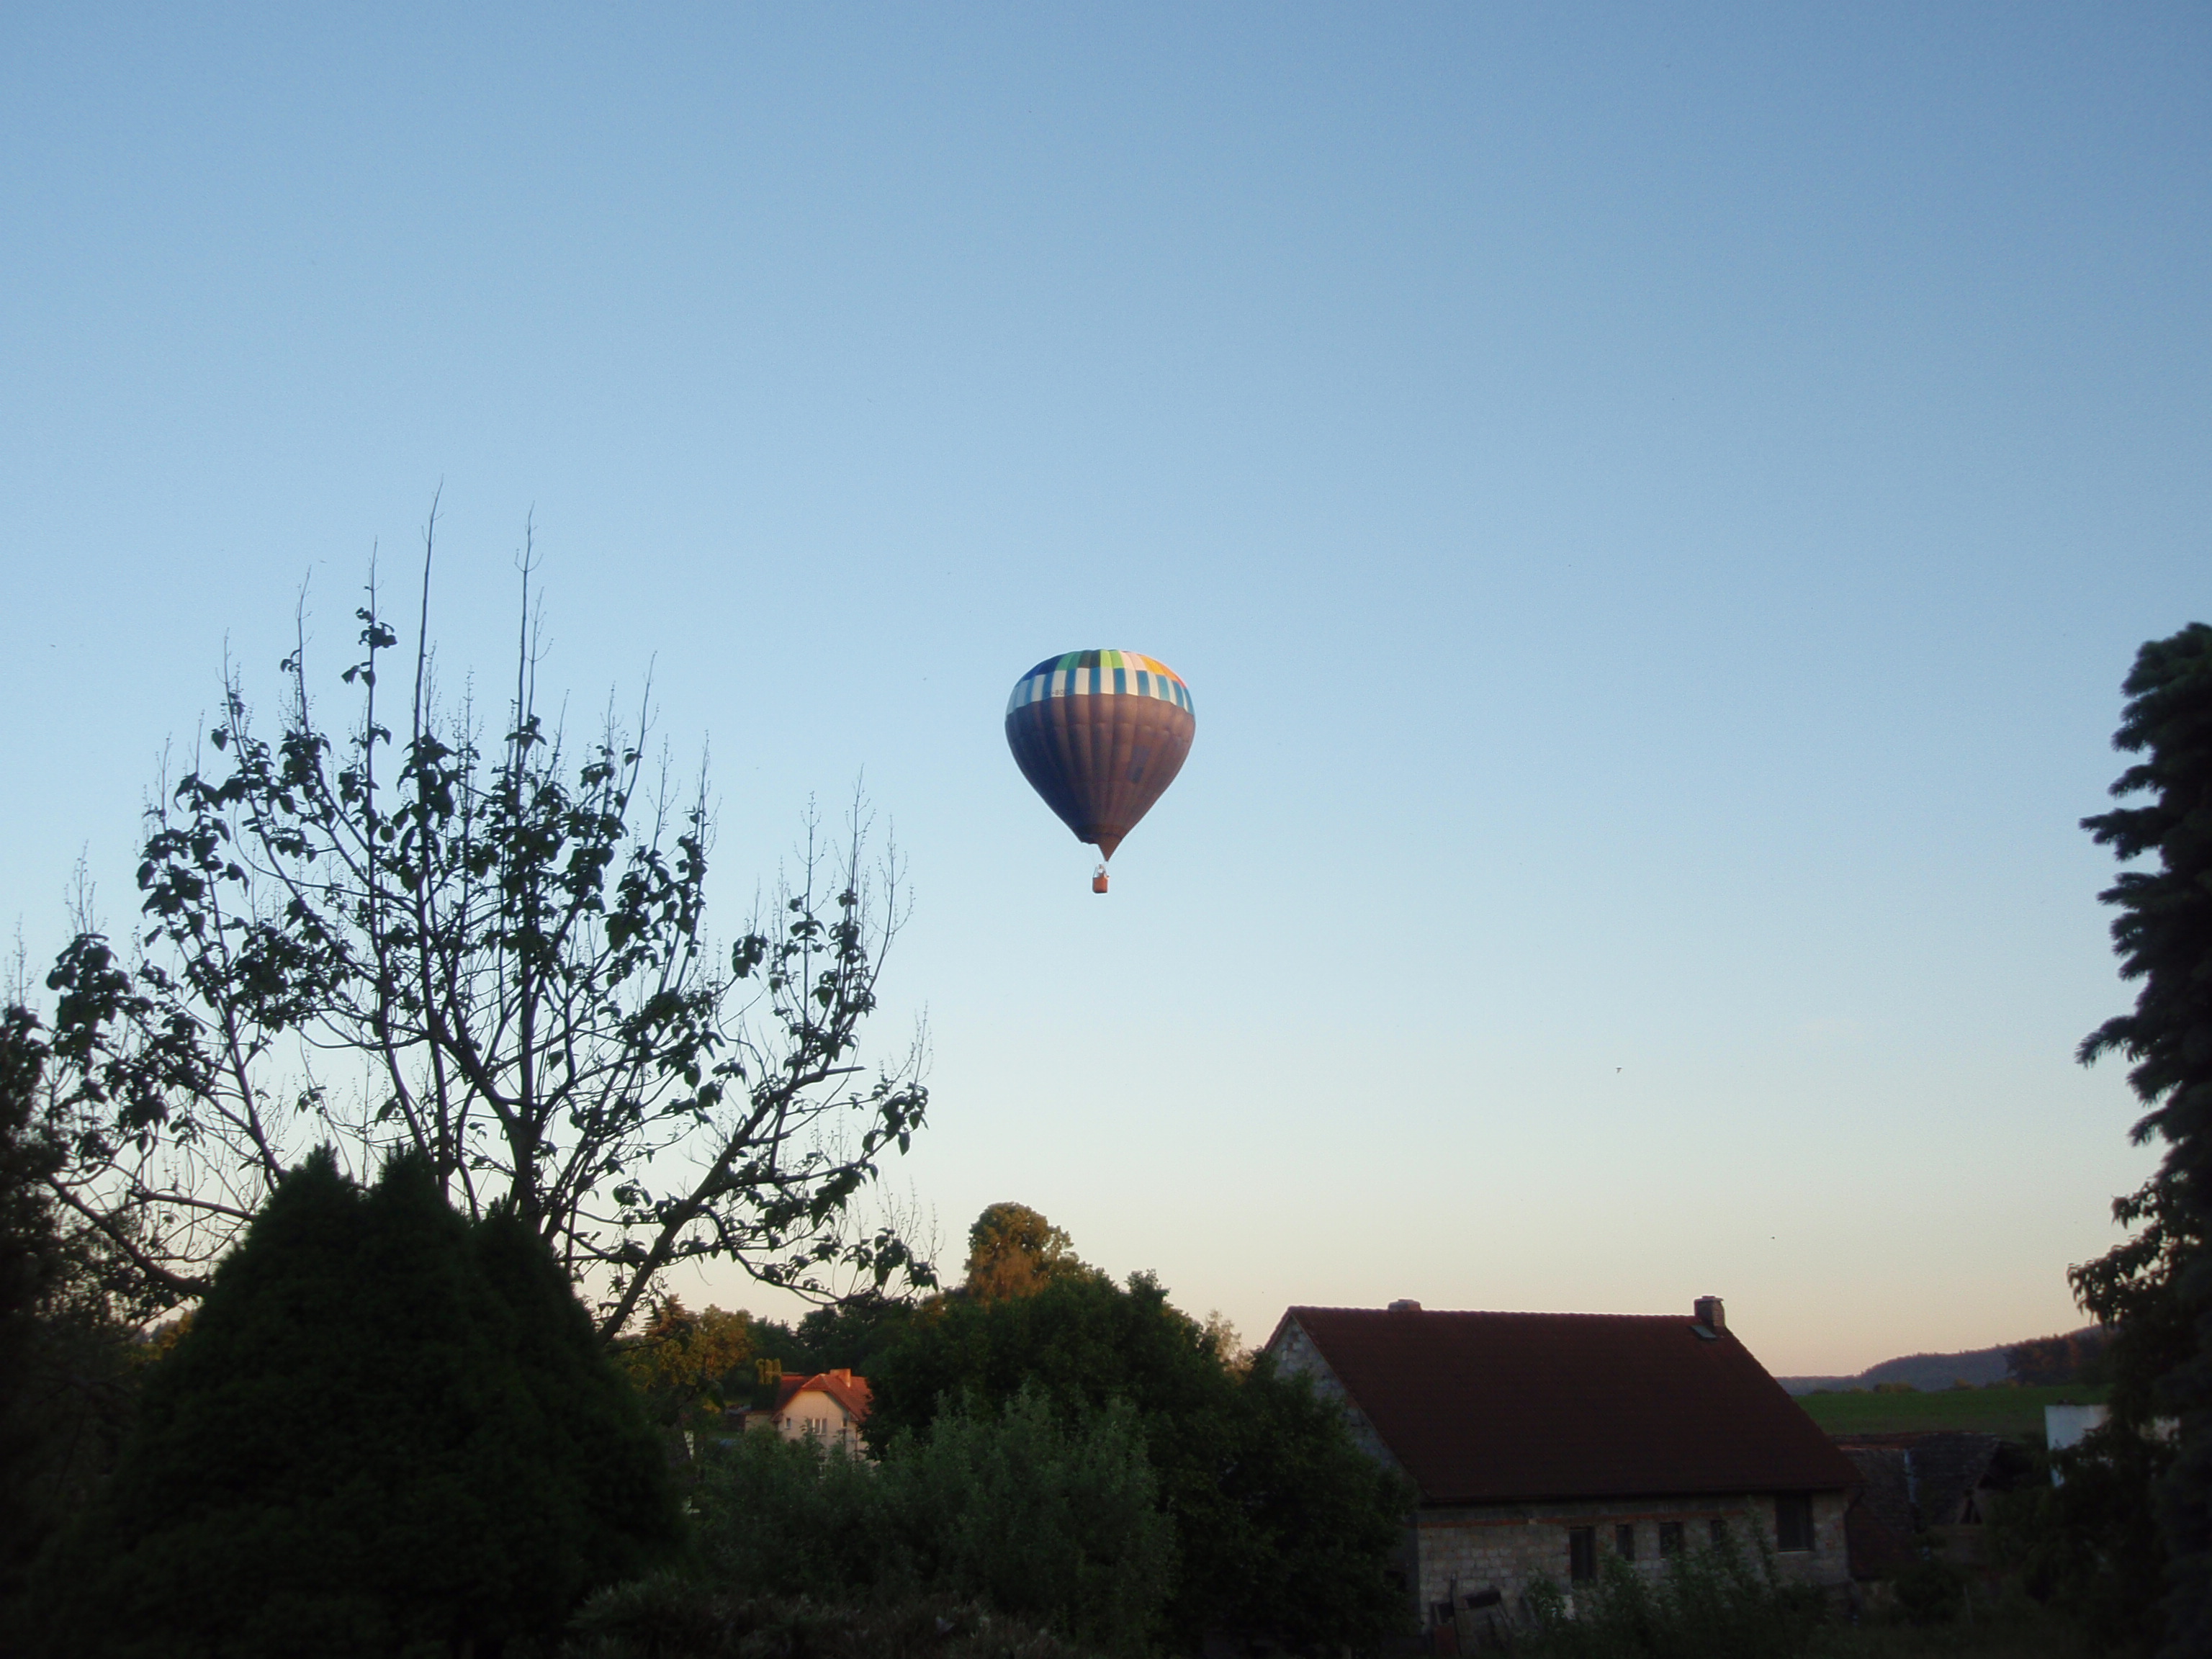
(1099, 673)
(1100, 734)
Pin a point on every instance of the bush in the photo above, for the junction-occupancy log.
(789, 1518)
(1931, 1591)
(1053, 1521)
(2089, 1548)
(671, 1617)
(1057, 1526)
(1283, 1527)
(1709, 1603)
(385, 1431)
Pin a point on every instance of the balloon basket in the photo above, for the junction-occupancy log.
(1098, 881)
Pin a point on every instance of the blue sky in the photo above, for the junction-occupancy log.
(1654, 506)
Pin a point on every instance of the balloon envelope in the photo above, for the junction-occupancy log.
(1099, 734)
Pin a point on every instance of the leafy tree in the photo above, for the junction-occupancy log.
(2087, 1544)
(31, 1266)
(397, 934)
(30, 1247)
(847, 1333)
(681, 1359)
(2075, 1357)
(2158, 1285)
(1284, 1527)
(2132, 1290)
(1014, 1251)
(69, 1359)
(388, 1430)
(1083, 1340)
(852, 1333)
(778, 1348)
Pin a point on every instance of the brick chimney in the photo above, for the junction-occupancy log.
(1711, 1313)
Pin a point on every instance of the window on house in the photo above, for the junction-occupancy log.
(1624, 1540)
(1670, 1538)
(1793, 1522)
(1581, 1554)
(1719, 1528)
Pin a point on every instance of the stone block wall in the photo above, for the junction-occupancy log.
(1464, 1551)
(1295, 1355)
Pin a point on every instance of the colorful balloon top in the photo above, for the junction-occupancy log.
(1085, 673)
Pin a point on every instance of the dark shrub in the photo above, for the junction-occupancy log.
(670, 1616)
(1283, 1527)
(385, 1431)
(1053, 1521)
(1713, 1602)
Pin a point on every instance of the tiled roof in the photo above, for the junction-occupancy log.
(848, 1390)
(1504, 1407)
(1878, 1527)
(1887, 1481)
(1944, 1468)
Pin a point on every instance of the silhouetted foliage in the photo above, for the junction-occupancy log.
(851, 1334)
(674, 1617)
(31, 1266)
(69, 1359)
(494, 955)
(845, 1335)
(683, 1363)
(385, 1429)
(1714, 1602)
(2157, 1286)
(2088, 1546)
(1048, 1518)
(1284, 1527)
(1012, 1250)
(2052, 1361)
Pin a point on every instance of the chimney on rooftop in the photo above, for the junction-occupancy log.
(1711, 1313)
(1405, 1304)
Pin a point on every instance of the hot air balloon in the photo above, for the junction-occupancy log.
(1100, 734)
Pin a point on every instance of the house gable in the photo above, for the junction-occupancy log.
(829, 1405)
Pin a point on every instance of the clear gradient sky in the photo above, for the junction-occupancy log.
(1654, 506)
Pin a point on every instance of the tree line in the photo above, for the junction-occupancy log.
(390, 1428)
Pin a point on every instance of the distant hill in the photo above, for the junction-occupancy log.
(1978, 1366)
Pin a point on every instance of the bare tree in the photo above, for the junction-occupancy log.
(494, 954)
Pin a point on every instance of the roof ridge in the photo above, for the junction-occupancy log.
(1493, 1406)
(1480, 1313)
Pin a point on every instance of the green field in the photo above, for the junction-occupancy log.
(2014, 1413)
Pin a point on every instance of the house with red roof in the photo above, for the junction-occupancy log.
(1541, 1444)
(830, 1406)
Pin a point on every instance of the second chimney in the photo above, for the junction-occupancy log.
(1711, 1313)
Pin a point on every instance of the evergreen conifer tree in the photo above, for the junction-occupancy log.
(388, 1431)
(2160, 1282)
